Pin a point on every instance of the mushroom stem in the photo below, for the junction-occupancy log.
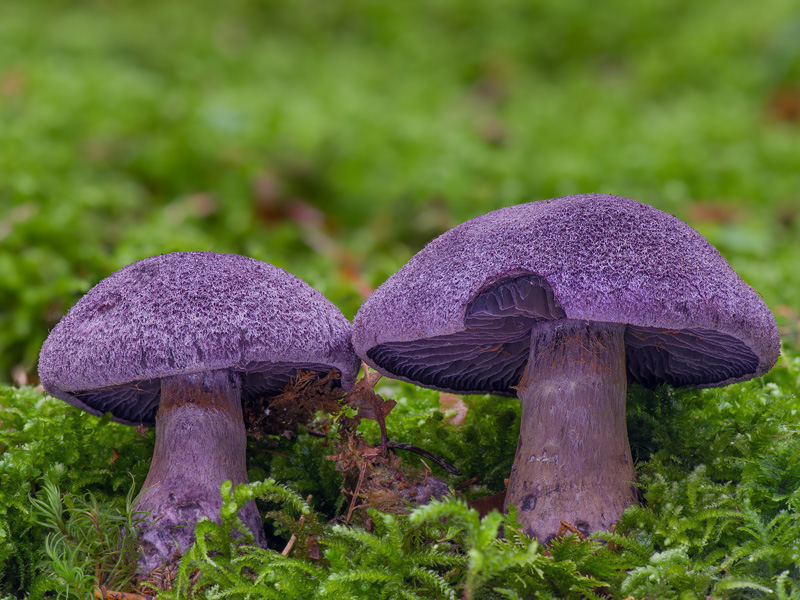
(200, 442)
(573, 458)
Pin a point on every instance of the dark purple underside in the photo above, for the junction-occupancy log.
(489, 356)
(137, 402)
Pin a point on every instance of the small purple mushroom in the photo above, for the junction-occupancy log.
(563, 302)
(179, 341)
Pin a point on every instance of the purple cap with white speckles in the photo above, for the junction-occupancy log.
(184, 313)
(458, 316)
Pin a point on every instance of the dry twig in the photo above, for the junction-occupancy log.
(430, 456)
(356, 491)
(293, 539)
(566, 526)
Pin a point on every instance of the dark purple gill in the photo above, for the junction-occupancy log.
(137, 402)
(457, 316)
(490, 354)
(189, 312)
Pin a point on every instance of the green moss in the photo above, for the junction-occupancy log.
(718, 469)
(335, 139)
(42, 440)
(136, 129)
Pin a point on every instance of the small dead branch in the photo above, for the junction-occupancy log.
(293, 539)
(569, 527)
(356, 491)
(430, 456)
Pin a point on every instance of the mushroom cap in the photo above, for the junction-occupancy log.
(457, 316)
(186, 312)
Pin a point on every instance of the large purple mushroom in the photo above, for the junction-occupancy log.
(562, 303)
(179, 341)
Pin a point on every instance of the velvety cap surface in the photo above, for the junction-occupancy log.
(458, 316)
(187, 312)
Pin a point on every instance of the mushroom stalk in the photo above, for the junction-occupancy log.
(573, 458)
(200, 442)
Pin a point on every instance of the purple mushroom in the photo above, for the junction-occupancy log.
(563, 302)
(179, 341)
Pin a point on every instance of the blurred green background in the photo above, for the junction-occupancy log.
(335, 138)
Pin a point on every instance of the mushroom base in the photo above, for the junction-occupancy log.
(200, 442)
(573, 460)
